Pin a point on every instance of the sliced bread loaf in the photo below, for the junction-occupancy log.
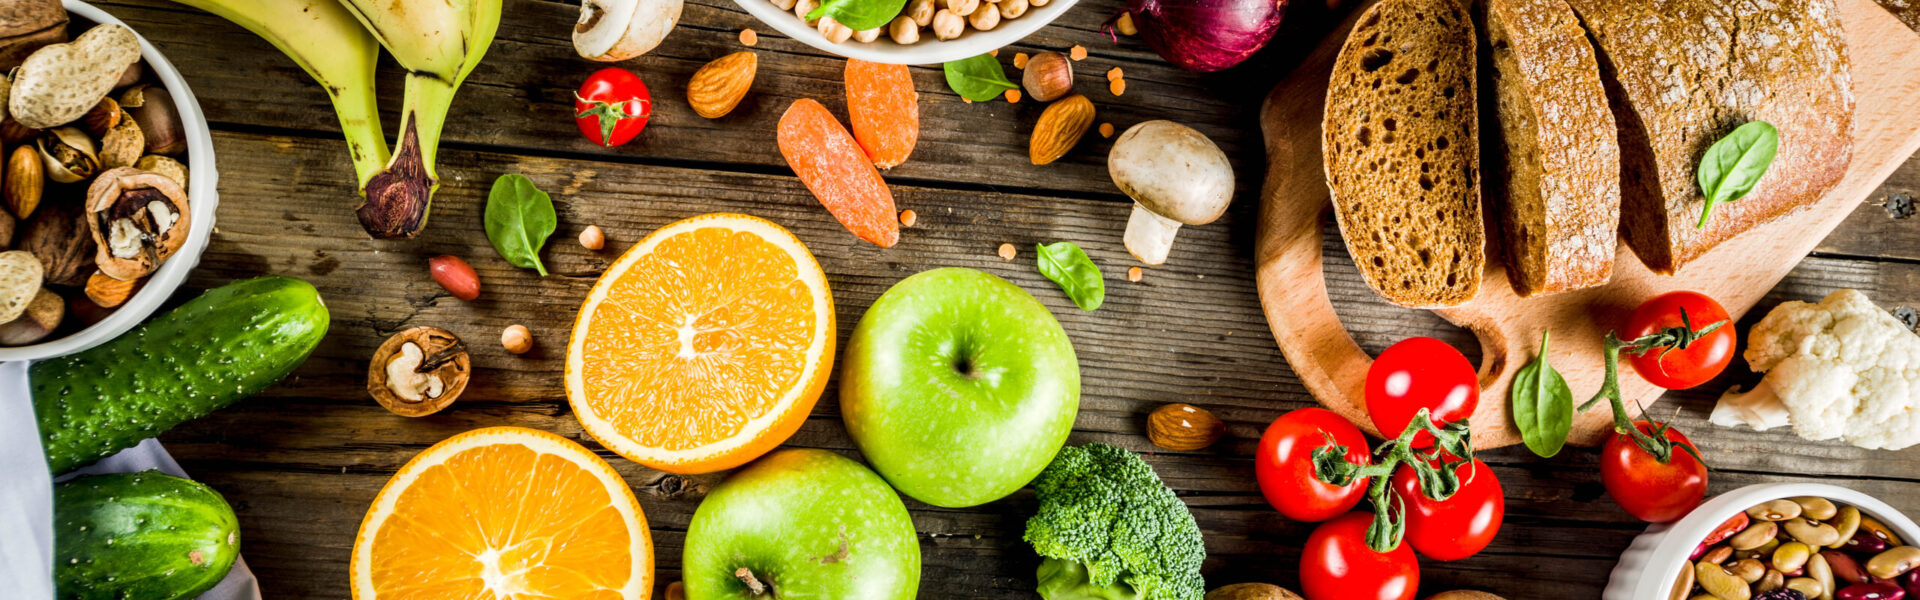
(1401, 146)
(1681, 74)
(1552, 164)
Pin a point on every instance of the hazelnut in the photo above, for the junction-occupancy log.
(985, 19)
(419, 371)
(138, 220)
(68, 154)
(1048, 76)
(947, 25)
(921, 11)
(963, 7)
(42, 316)
(152, 107)
(516, 339)
(592, 238)
(1183, 427)
(903, 30)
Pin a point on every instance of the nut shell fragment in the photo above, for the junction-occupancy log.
(138, 220)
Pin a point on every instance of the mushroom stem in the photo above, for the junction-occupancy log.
(1150, 235)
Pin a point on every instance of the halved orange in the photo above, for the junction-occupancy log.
(704, 346)
(504, 512)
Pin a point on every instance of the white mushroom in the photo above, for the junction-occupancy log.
(1175, 176)
(616, 30)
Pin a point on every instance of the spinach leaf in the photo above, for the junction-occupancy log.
(1542, 405)
(519, 219)
(1734, 164)
(859, 15)
(979, 78)
(1068, 265)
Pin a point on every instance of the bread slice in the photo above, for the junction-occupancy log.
(1551, 161)
(1683, 73)
(1401, 147)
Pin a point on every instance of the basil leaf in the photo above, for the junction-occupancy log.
(519, 219)
(1542, 405)
(979, 78)
(1734, 164)
(859, 15)
(1068, 265)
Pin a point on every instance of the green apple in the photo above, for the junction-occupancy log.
(802, 524)
(959, 387)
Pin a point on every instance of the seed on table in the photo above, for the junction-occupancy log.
(1078, 52)
(1125, 25)
(1020, 60)
(1007, 252)
(1106, 130)
(592, 238)
(516, 339)
(748, 37)
(1134, 274)
(1114, 73)
(1013, 96)
(908, 218)
(1117, 86)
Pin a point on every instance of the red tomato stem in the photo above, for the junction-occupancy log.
(1670, 338)
(1452, 447)
(610, 115)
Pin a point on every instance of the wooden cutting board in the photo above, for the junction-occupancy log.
(1295, 202)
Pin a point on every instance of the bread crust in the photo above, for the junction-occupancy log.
(1683, 73)
(1552, 165)
(1401, 150)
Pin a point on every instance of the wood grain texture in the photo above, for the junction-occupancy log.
(1737, 273)
(301, 462)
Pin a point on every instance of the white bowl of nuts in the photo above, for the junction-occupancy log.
(1778, 540)
(135, 172)
(926, 32)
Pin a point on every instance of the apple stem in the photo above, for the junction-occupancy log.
(753, 583)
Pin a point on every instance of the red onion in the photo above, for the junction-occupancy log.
(1207, 35)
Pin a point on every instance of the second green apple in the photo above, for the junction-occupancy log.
(959, 387)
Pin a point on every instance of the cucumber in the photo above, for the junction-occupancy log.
(227, 344)
(142, 535)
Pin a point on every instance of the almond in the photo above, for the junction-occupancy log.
(25, 181)
(107, 291)
(1060, 127)
(718, 87)
(1183, 427)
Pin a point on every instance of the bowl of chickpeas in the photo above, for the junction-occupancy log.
(926, 32)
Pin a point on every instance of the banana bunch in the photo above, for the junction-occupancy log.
(337, 42)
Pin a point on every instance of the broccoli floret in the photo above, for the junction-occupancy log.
(1110, 529)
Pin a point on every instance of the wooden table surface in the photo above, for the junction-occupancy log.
(301, 463)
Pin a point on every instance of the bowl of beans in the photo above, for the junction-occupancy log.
(925, 32)
(1785, 541)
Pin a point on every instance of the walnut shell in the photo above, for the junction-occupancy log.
(57, 235)
(124, 215)
(439, 353)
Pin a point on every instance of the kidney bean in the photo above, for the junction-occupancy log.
(1844, 567)
(1911, 582)
(1864, 542)
(1870, 591)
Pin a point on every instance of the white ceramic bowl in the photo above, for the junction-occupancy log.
(1648, 568)
(201, 199)
(929, 51)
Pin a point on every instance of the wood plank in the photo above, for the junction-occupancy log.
(302, 462)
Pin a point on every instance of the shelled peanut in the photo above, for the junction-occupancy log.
(941, 19)
(1802, 548)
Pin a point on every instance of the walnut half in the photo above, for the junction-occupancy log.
(419, 371)
(138, 220)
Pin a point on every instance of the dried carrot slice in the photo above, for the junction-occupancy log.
(884, 110)
(838, 173)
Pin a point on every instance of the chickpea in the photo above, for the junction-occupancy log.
(1037, 3)
(921, 11)
(784, 4)
(947, 25)
(833, 30)
(963, 7)
(802, 7)
(516, 339)
(866, 35)
(985, 20)
(904, 30)
(1012, 9)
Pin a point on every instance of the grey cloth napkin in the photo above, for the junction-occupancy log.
(26, 491)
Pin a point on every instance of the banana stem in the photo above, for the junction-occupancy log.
(400, 195)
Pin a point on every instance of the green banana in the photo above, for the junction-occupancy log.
(326, 41)
(438, 42)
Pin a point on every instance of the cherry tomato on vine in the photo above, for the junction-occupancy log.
(1283, 464)
(1418, 373)
(1681, 368)
(1648, 489)
(1459, 526)
(1337, 564)
(612, 106)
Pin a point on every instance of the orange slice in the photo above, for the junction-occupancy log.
(504, 512)
(704, 346)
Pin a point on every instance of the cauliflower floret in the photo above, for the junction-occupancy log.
(1842, 368)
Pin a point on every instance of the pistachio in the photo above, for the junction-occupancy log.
(138, 220)
(1894, 562)
(42, 316)
(123, 145)
(25, 181)
(419, 371)
(69, 155)
(1775, 510)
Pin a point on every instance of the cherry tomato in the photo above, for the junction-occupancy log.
(1336, 564)
(1420, 373)
(1648, 490)
(1283, 464)
(1681, 368)
(1459, 526)
(612, 106)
